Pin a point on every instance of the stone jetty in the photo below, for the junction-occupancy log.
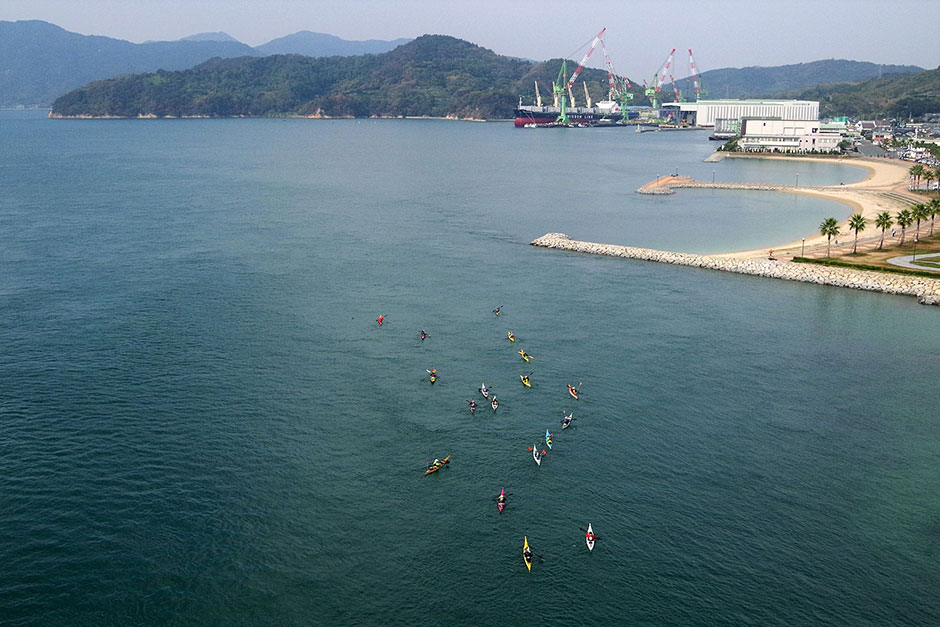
(925, 289)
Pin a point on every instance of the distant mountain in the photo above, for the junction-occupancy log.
(322, 45)
(900, 96)
(218, 36)
(751, 82)
(434, 75)
(41, 61)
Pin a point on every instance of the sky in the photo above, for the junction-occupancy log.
(721, 33)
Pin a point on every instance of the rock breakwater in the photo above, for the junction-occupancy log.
(926, 290)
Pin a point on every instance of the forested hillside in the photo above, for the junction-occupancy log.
(434, 75)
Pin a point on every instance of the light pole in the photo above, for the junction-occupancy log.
(802, 246)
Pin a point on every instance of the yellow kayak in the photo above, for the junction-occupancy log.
(526, 356)
(525, 380)
(527, 554)
(512, 338)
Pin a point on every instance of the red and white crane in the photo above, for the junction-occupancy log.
(574, 75)
(695, 83)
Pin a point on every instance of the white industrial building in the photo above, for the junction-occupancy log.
(772, 135)
(705, 112)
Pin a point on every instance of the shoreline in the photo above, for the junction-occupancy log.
(883, 189)
(927, 290)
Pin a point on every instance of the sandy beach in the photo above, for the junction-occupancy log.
(884, 189)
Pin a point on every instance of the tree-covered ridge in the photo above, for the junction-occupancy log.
(434, 75)
(756, 81)
(903, 96)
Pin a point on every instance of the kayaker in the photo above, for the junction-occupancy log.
(380, 319)
(527, 554)
(496, 311)
(525, 379)
(423, 333)
(512, 337)
(473, 405)
(494, 404)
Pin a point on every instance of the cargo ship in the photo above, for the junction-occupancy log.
(606, 112)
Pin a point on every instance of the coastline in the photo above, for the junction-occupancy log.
(883, 189)
(926, 290)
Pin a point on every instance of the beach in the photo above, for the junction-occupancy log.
(883, 189)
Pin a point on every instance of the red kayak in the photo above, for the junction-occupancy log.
(501, 500)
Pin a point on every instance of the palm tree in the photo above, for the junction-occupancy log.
(883, 221)
(934, 208)
(904, 220)
(916, 172)
(857, 223)
(919, 212)
(929, 175)
(829, 227)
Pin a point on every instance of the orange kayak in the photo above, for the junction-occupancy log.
(437, 465)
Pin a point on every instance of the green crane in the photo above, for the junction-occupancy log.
(561, 86)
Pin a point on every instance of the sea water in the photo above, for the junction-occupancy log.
(202, 423)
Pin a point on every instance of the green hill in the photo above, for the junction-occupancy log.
(756, 81)
(433, 75)
(41, 61)
(899, 96)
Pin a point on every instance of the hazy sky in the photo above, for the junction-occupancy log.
(721, 33)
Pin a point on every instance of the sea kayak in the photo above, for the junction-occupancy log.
(589, 537)
(536, 455)
(572, 391)
(485, 391)
(494, 404)
(525, 380)
(501, 501)
(548, 438)
(512, 338)
(437, 465)
(566, 421)
(527, 554)
(526, 356)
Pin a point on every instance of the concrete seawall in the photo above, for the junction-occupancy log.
(926, 290)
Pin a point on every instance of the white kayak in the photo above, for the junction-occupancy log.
(589, 538)
(535, 454)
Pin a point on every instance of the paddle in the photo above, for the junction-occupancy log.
(585, 531)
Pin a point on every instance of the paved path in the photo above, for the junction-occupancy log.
(905, 262)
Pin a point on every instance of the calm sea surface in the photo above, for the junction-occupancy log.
(202, 424)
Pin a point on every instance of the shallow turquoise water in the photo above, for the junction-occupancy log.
(201, 423)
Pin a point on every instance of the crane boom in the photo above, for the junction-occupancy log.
(675, 88)
(574, 75)
(695, 83)
(661, 77)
